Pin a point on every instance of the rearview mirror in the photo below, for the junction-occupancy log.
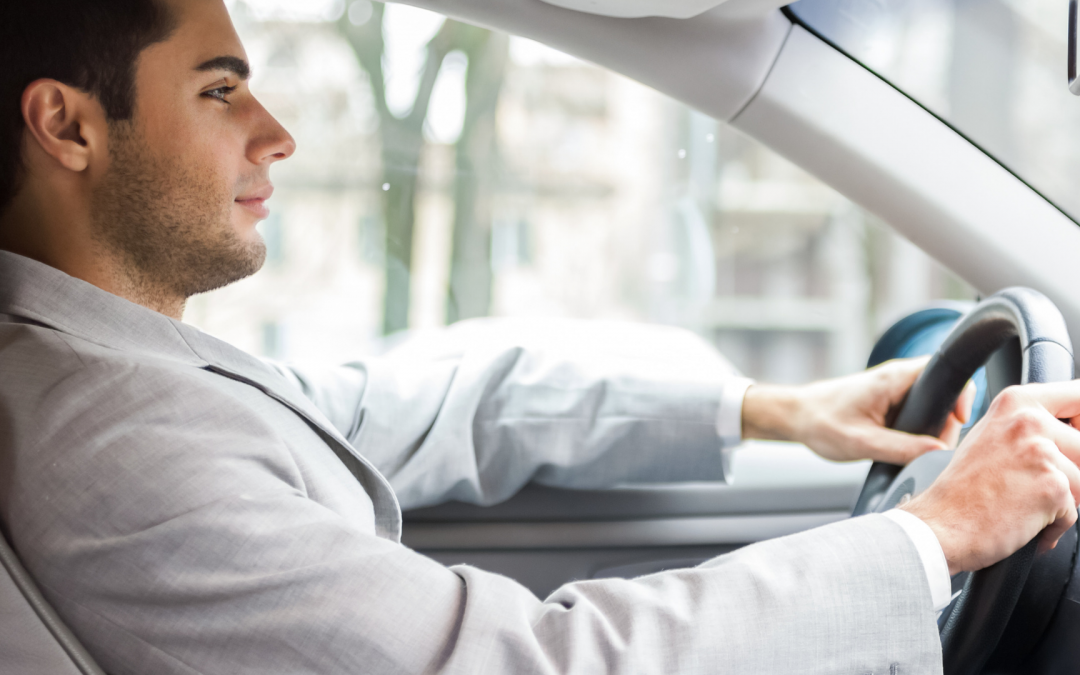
(1074, 82)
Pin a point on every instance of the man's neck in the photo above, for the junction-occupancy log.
(49, 220)
(142, 293)
(93, 264)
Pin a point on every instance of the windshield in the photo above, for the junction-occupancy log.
(995, 70)
(445, 172)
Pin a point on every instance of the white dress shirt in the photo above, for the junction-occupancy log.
(729, 428)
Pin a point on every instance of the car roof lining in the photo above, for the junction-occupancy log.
(731, 47)
(630, 9)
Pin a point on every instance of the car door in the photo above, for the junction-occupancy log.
(545, 537)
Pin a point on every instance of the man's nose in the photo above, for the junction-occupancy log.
(272, 142)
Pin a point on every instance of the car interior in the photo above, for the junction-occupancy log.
(849, 93)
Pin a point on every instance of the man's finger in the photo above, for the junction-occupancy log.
(1049, 537)
(1072, 473)
(1054, 531)
(950, 433)
(1067, 440)
(898, 375)
(910, 367)
(964, 403)
(897, 447)
(1061, 399)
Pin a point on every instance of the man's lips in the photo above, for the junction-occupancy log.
(255, 201)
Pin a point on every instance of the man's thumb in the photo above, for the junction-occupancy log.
(897, 447)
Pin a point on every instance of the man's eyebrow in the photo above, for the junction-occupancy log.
(235, 64)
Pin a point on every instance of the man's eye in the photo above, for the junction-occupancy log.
(221, 93)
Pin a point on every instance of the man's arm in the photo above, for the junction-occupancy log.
(1014, 478)
(845, 418)
(181, 538)
(476, 411)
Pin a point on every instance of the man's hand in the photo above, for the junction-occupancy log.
(1014, 476)
(844, 419)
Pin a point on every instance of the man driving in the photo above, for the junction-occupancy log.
(188, 508)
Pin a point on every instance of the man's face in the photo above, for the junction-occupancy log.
(189, 174)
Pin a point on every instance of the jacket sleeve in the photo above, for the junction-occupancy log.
(475, 411)
(179, 539)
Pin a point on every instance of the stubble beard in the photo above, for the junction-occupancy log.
(169, 227)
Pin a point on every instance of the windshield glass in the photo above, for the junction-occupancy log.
(445, 172)
(995, 70)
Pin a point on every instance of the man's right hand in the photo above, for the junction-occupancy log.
(1014, 476)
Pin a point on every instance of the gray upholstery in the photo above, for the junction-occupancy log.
(33, 641)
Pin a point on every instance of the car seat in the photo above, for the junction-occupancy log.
(33, 640)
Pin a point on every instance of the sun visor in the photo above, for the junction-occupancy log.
(634, 9)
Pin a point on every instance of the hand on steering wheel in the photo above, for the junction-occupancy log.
(1014, 477)
(845, 419)
(1009, 479)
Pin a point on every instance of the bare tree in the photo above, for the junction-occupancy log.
(469, 293)
(402, 140)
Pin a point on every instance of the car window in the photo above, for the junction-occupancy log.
(996, 70)
(445, 172)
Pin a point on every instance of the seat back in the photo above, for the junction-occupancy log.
(33, 640)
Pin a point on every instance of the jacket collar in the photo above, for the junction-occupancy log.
(35, 292)
(228, 361)
(45, 295)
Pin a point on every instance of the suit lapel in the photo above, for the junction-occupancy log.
(228, 361)
(36, 292)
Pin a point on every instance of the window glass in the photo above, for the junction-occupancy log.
(447, 172)
(996, 70)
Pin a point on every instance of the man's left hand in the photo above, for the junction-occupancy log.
(844, 418)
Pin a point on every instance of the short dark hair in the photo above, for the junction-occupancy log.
(92, 45)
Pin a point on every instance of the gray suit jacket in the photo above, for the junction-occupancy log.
(189, 509)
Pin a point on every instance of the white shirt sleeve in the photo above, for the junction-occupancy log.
(729, 419)
(933, 558)
(729, 429)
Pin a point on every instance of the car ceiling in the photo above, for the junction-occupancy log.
(730, 46)
(636, 9)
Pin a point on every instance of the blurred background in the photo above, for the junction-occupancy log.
(445, 172)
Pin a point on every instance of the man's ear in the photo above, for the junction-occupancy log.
(69, 125)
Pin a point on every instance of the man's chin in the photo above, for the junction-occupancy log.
(212, 271)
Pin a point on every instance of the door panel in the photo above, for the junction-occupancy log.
(544, 537)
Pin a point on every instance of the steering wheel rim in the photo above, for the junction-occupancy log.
(982, 612)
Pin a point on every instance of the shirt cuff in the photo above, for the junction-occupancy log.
(729, 419)
(933, 558)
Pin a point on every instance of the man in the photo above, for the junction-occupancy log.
(188, 509)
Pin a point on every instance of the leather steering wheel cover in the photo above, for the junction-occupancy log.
(977, 622)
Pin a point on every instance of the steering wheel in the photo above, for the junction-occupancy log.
(1023, 336)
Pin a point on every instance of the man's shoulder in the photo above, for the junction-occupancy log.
(28, 348)
(37, 359)
(102, 435)
(63, 394)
